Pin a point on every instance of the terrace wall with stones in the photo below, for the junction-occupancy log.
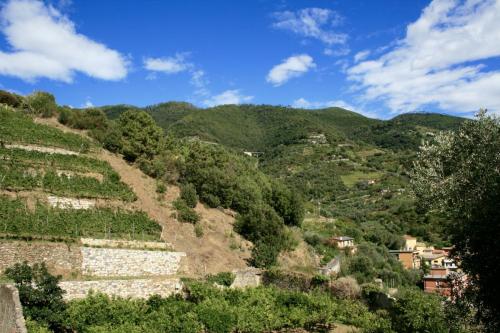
(60, 258)
(11, 313)
(138, 288)
(126, 262)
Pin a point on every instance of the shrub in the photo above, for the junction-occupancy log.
(346, 288)
(161, 187)
(185, 213)
(42, 103)
(188, 194)
(222, 278)
(198, 230)
(10, 99)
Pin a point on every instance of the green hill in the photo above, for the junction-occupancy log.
(261, 127)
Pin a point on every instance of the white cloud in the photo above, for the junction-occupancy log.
(312, 23)
(200, 82)
(168, 65)
(437, 62)
(45, 43)
(362, 55)
(303, 103)
(87, 104)
(291, 67)
(227, 97)
(338, 52)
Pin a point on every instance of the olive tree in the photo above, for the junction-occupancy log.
(458, 174)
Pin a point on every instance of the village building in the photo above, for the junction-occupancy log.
(437, 281)
(344, 242)
(409, 258)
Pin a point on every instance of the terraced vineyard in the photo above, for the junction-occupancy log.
(17, 127)
(17, 219)
(16, 176)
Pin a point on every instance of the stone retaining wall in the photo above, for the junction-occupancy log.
(11, 312)
(69, 203)
(124, 262)
(140, 288)
(60, 258)
(48, 150)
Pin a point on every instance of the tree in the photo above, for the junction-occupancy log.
(42, 103)
(39, 293)
(141, 137)
(458, 174)
(417, 312)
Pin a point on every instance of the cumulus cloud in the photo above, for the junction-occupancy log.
(227, 97)
(312, 23)
(168, 65)
(45, 43)
(439, 61)
(291, 67)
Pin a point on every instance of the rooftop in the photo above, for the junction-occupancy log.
(342, 238)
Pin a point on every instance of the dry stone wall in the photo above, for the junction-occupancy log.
(11, 312)
(60, 258)
(70, 203)
(139, 288)
(48, 150)
(125, 262)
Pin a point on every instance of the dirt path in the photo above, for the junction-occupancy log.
(218, 250)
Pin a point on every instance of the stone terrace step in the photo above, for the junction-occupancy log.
(137, 288)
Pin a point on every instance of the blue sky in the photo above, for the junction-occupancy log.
(380, 58)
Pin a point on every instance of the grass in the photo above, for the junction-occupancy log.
(352, 178)
(20, 128)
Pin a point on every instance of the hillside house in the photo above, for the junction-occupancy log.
(434, 258)
(437, 281)
(410, 242)
(409, 258)
(342, 242)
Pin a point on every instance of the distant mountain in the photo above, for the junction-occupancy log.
(261, 127)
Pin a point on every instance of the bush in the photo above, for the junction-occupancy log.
(222, 278)
(346, 288)
(42, 103)
(185, 213)
(10, 99)
(198, 230)
(188, 194)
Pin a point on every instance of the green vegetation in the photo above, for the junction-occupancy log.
(78, 163)
(42, 103)
(458, 175)
(16, 127)
(15, 176)
(40, 295)
(185, 213)
(212, 310)
(10, 99)
(189, 195)
(17, 219)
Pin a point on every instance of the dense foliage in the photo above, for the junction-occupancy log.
(39, 294)
(16, 218)
(458, 174)
(42, 103)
